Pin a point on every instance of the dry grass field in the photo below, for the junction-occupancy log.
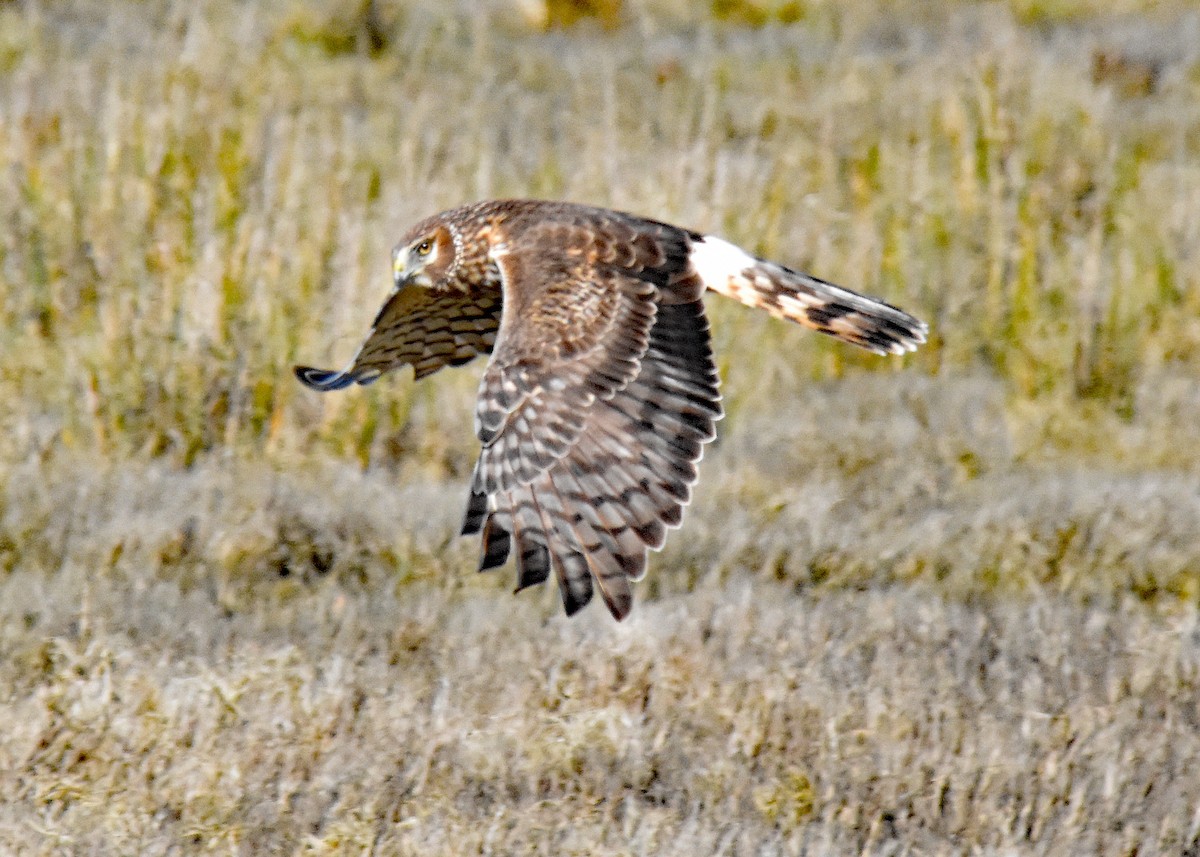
(942, 605)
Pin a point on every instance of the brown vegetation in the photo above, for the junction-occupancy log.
(932, 606)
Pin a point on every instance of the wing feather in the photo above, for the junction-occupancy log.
(571, 342)
(421, 327)
(625, 477)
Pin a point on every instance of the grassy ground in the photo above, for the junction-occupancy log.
(937, 605)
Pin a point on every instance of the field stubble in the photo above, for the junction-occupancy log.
(926, 606)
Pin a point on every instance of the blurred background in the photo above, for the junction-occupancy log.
(935, 603)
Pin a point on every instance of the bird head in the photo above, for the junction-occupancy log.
(426, 257)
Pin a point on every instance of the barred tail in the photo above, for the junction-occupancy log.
(867, 322)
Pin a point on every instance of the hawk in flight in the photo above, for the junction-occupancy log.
(601, 389)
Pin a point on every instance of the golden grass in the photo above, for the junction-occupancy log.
(920, 606)
(356, 721)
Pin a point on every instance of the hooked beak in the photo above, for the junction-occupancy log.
(400, 274)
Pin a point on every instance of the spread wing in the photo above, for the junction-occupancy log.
(594, 408)
(426, 328)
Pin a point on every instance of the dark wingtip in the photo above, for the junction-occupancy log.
(474, 517)
(573, 603)
(323, 380)
(619, 607)
(496, 545)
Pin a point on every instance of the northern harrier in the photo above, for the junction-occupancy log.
(601, 390)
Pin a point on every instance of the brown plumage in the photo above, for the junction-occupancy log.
(601, 390)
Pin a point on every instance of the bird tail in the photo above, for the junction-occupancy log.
(864, 321)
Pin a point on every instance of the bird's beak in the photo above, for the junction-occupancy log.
(399, 271)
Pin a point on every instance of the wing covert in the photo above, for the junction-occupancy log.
(574, 333)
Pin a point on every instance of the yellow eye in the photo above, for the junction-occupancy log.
(424, 247)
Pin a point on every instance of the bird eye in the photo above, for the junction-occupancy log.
(424, 247)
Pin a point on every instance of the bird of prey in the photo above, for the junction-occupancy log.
(601, 390)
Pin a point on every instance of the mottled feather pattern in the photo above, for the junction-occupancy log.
(536, 398)
(601, 391)
(628, 477)
(421, 328)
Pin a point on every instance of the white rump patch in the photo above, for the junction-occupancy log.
(717, 262)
